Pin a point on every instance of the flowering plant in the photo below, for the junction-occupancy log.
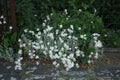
(8, 39)
(65, 38)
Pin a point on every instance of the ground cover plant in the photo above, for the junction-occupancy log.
(66, 38)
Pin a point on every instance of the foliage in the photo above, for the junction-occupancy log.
(7, 42)
(111, 38)
(109, 11)
(25, 14)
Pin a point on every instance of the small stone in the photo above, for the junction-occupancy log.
(12, 78)
(117, 75)
(1, 75)
(8, 67)
(36, 77)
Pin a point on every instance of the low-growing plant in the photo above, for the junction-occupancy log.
(66, 38)
(7, 42)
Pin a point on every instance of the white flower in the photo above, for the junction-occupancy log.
(25, 30)
(71, 26)
(66, 11)
(36, 47)
(75, 38)
(2, 17)
(19, 40)
(51, 48)
(56, 56)
(95, 10)
(51, 35)
(39, 33)
(57, 31)
(42, 46)
(83, 37)
(48, 17)
(92, 22)
(80, 10)
(51, 14)
(66, 46)
(90, 56)
(54, 62)
(70, 31)
(96, 34)
(41, 42)
(44, 31)
(96, 55)
(32, 32)
(77, 65)
(38, 29)
(37, 63)
(20, 51)
(95, 38)
(78, 53)
(35, 15)
(98, 44)
(67, 18)
(83, 55)
(43, 24)
(4, 22)
(49, 28)
(60, 53)
(61, 26)
(61, 40)
(71, 55)
(45, 20)
(79, 28)
(36, 57)
(48, 43)
(69, 36)
(91, 53)
(10, 27)
(89, 61)
(64, 34)
(24, 45)
(57, 65)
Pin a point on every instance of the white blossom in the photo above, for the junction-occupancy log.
(89, 61)
(43, 24)
(48, 17)
(2, 17)
(61, 26)
(83, 37)
(71, 26)
(4, 22)
(36, 57)
(10, 27)
(98, 44)
(20, 51)
(77, 65)
(37, 63)
(80, 10)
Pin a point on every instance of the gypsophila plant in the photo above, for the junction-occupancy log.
(65, 38)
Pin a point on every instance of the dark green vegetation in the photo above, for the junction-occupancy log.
(30, 13)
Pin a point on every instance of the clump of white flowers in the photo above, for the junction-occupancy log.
(58, 44)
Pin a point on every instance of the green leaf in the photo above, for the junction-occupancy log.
(6, 42)
(13, 38)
